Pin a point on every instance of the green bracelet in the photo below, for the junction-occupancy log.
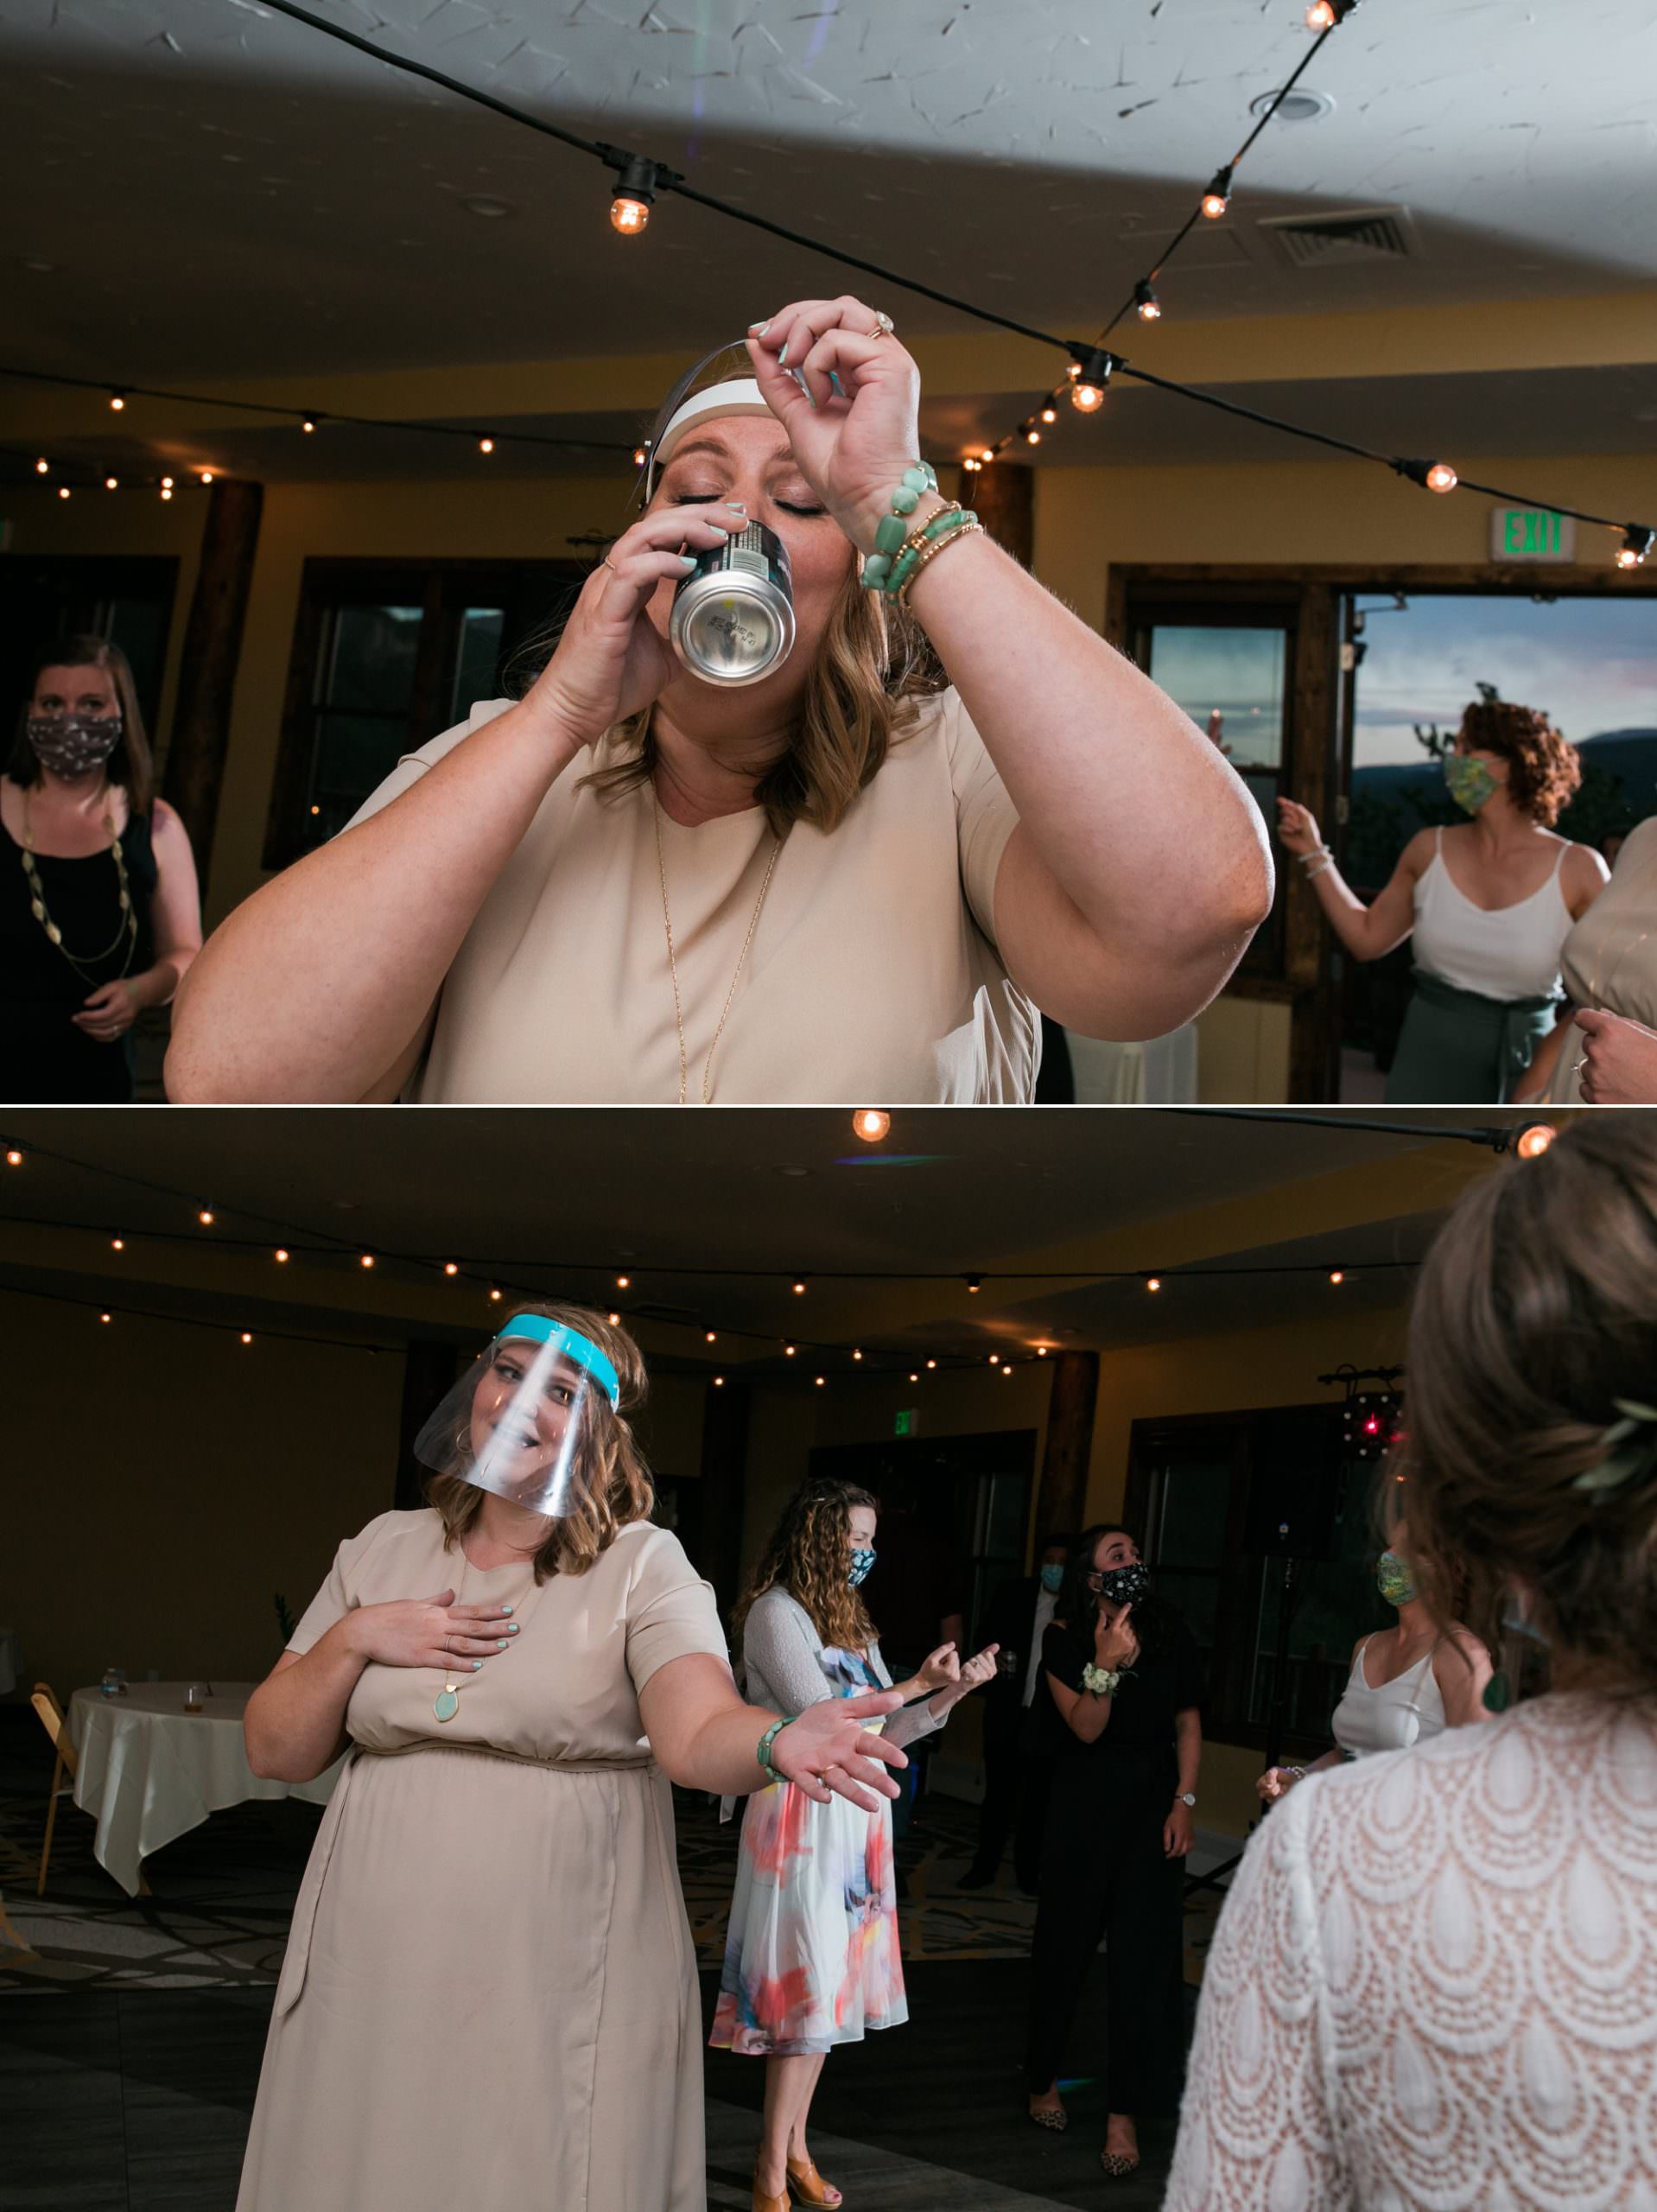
(894, 528)
(941, 523)
(766, 1743)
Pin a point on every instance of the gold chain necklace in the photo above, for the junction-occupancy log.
(673, 970)
(84, 964)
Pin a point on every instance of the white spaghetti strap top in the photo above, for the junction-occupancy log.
(1508, 952)
(1390, 1719)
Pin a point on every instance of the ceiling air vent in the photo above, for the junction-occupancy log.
(1360, 234)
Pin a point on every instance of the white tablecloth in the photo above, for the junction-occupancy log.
(10, 1660)
(149, 1771)
(1161, 1072)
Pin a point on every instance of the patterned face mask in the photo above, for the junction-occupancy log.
(1393, 1579)
(70, 745)
(862, 1560)
(1125, 1586)
(1471, 783)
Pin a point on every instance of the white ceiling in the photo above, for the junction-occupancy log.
(218, 190)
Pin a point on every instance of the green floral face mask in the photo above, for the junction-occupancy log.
(1471, 783)
(1393, 1579)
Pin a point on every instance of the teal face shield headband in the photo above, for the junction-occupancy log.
(581, 1351)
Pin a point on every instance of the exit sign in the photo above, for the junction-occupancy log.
(906, 1423)
(1532, 534)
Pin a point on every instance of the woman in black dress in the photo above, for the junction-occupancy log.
(1124, 1681)
(99, 913)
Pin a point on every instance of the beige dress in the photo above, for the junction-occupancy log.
(489, 1998)
(1610, 960)
(872, 976)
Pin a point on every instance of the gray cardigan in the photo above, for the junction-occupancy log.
(781, 1667)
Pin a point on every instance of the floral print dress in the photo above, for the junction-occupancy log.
(811, 1957)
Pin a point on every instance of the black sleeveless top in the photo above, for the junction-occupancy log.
(44, 1058)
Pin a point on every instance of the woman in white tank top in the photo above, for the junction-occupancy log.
(1489, 904)
(1407, 1683)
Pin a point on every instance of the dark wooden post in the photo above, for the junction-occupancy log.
(1062, 1494)
(1003, 498)
(430, 1366)
(724, 1468)
(213, 644)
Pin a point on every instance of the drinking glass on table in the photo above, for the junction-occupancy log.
(196, 1696)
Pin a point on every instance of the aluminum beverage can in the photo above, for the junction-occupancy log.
(732, 619)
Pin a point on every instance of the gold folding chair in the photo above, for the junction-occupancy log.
(44, 1700)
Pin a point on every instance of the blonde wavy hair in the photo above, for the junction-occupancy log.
(808, 1555)
(610, 1482)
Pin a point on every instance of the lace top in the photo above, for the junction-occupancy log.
(1434, 1987)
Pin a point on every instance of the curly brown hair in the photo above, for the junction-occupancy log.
(1544, 769)
(807, 1557)
(607, 1470)
(1534, 1321)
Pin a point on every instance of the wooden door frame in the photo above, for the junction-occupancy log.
(1311, 732)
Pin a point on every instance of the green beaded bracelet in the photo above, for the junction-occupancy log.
(940, 526)
(894, 528)
(766, 1743)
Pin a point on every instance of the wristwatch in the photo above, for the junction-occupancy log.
(1185, 1797)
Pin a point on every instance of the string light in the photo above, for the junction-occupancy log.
(719, 1382)
(63, 491)
(871, 1123)
(450, 1267)
(789, 1350)
(495, 1297)
(42, 467)
(856, 1353)
(1050, 414)
(118, 1243)
(974, 1283)
(247, 1337)
(1217, 198)
(117, 401)
(366, 1260)
(485, 445)
(1637, 542)
(1432, 475)
(799, 1290)
(641, 455)
(14, 1158)
(709, 1337)
(931, 1363)
(166, 491)
(639, 179)
(615, 1320)
(624, 1282)
(1041, 1351)
(1337, 1275)
(986, 456)
(166, 483)
(1533, 1140)
(206, 476)
(205, 1217)
(282, 1256)
(821, 1380)
(1090, 371)
(1441, 477)
(914, 1378)
(1153, 1282)
(1326, 14)
(1031, 437)
(111, 484)
(1149, 306)
(308, 425)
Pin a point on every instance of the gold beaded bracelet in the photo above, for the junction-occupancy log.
(930, 553)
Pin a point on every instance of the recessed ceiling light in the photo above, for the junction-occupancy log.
(1297, 106)
(794, 1170)
(42, 268)
(482, 205)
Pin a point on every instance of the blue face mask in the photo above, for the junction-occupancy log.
(862, 1560)
(1052, 1578)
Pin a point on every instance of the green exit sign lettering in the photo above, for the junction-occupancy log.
(906, 1423)
(1532, 534)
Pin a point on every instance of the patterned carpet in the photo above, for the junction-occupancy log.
(223, 1896)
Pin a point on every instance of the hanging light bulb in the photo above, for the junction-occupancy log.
(638, 181)
(1033, 437)
(1050, 414)
(1041, 1351)
(1337, 1275)
(450, 1267)
(641, 455)
(283, 1254)
(308, 424)
(43, 468)
(1217, 198)
(106, 1317)
(206, 476)
(117, 401)
(974, 1283)
(247, 1335)
(789, 1350)
(1637, 542)
(167, 491)
(63, 491)
(931, 1363)
(111, 484)
(719, 1382)
(366, 1259)
(1090, 371)
(1441, 477)
(118, 1243)
(1324, 15)
(1149, 306)
(986, 456)
(615, 1320)
(822, 1380)
(871, 1123)
(1086, 398)
(166, 483)
(799, 1290)
(495, 1297)
(14, 1158)
(1153, 1282)
(205, 1217)
(485, 445)
(1534, 1139)
(856, 1353)
(624, 1282)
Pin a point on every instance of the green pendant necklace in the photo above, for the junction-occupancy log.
(446, 1703)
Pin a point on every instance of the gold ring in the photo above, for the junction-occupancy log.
(884, 325)
(605, 561)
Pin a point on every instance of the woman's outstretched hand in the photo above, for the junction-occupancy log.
(855, 439)
(828, 1752)
(970, 1675)
(611, 659)
(1297, 827)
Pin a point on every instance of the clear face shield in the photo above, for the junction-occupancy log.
(520, 1419)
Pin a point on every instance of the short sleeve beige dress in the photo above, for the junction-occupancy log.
(1610, 960)
(489, 1996)
(873, 973)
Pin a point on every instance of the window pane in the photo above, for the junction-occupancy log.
(477, 671)
(354, 755)
(1196, 1493)
(373, 662)
(1196, 1597)
(1242, 672)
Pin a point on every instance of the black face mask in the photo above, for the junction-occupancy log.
(1125, 1586)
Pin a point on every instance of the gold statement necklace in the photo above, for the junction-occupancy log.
(673, 970)
(84, 964)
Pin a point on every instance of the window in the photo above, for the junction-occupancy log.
(385, 656)
(1209, 1493)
